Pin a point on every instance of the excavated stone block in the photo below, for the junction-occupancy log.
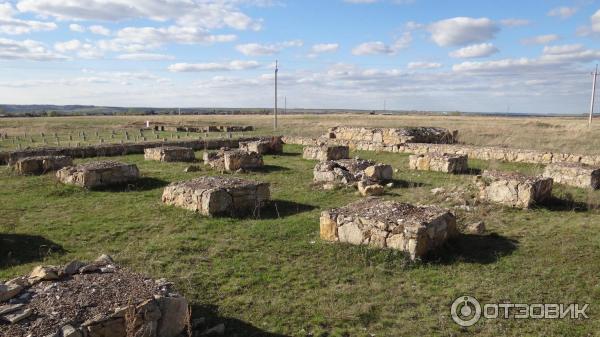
(514, 189)
(41, 164)
(272, 145)
(169, 154)
(218, 195)
(349, 171)
(233, 160)
(574, 174)
(326, 152)
(440, 162)
(98, 174)
(389, 224)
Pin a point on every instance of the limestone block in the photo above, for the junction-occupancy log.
(41, 164)
(440, 162)
(574, 174)
(169, 154)
(97, 174)
(326, 152)
(514, 189)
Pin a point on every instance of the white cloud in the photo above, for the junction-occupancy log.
(100, 30)
(563, 12)
(196, 13)
(26, 50)
(476, 50)
(325, 48)
(79, 48)
(13, 26)
(213, 66)
(76, 28)
(563, 49)
(379, 47)
(462, 30)
(515, 22)
(145, 57)
(372, 48)
(596, 22)
(540, 39)
(257, 49)
(424, 65)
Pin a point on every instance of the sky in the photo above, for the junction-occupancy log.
(528, 56)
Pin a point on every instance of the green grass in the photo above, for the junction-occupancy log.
(274, 276)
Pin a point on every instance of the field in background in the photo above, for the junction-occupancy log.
(548, 133)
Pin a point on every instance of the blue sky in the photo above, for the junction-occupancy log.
(522, 56)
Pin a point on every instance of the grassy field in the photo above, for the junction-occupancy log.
(554, 134)
(273, 276)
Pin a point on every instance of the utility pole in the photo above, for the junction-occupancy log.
(276, 70)
(594, 75)
(384, 105)
(284, 105)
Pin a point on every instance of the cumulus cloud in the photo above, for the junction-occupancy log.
(76, 28)
(100, 30)
(596, 22)
(145, 57)
(26, 50)
(257, 49)
(13, 26)
(380, 48)
(562, 12)
(195, 13)
(540, 39)
(476, 50)
(562, 49)
(79, 48)
(424, 65)
(213, 66)
(462, 31)
(325, 48)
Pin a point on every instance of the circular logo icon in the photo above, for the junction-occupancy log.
(465, 311)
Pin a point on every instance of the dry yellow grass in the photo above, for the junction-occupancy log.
(548, 133)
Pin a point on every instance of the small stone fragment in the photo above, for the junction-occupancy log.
(475, 227)
(43, 273)
(73, 267)
(8, 291)
(17, 316)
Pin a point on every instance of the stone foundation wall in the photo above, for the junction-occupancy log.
(98, 174)
(350, 171)
(109, 150)
(473, 152)
(514, 189)
(218, 195)
(440, 162)
(574, 174)
(393, 135)
(42, 164)
(169, 154)
(389, 224)
(326, 152)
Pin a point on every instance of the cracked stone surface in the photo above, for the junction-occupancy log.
(514, 189)
(97, 174)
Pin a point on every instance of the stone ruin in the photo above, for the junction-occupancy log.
(393, 136)
(440, 162)
(203, 128)
(326, 152)
(233, 160)
(41, 164)
(218, 195)
(514, 189)
(98, 174)
(270, 145)
(169, 154)
(574, 174)
(415, 230)
(351, 171)
(96, 299)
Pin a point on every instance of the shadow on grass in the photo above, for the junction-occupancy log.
(234, 327)
(566, 204)
(16, 249)
(470, 248)
(283, 208)
(406, 184)
(285, 154)
(471, 171)
(269, 169)
(142, 184)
